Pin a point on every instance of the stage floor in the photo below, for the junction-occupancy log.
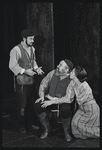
(11, 137)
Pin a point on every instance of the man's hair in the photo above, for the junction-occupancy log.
(80, 73)
(27, 32)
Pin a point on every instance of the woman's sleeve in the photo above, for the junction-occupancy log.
(85, 93)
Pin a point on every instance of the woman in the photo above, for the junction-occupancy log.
(86, 121)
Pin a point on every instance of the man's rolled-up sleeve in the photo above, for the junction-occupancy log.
(13, 62)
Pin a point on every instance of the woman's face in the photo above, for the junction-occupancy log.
(72, 74)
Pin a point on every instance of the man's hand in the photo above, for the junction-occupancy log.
(39, 99)
(30, 72)
(39, 71)
(46, 103)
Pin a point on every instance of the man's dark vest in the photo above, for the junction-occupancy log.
(26, 61)
(58, 87)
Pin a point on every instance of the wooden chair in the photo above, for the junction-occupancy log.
(54, 115)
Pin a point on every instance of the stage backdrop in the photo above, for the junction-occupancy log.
(77, 37)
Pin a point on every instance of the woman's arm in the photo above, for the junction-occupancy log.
(84, 94)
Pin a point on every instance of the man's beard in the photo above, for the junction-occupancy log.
(28, 44)
(59, 73)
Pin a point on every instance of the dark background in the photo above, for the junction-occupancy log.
(63, 30)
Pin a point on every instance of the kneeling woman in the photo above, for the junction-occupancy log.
(86, 121)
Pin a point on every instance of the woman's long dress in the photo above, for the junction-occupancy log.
(86, 121)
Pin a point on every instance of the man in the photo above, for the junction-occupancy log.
(52, 91)
(24, 66)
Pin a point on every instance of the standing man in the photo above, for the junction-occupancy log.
(24, 66)
(53, 91)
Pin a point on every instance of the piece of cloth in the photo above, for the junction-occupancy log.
(26, 61)
(57, 87)
(86, 121)
(25, 100)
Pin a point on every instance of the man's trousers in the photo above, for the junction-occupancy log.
(65, 109)
(25, 101)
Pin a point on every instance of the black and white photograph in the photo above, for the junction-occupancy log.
(50, 74)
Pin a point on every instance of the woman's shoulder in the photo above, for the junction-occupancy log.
(85, 86)
(72, 83)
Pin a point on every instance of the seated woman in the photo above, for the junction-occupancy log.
(86, 121)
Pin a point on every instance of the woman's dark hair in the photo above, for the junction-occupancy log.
(80, 73)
